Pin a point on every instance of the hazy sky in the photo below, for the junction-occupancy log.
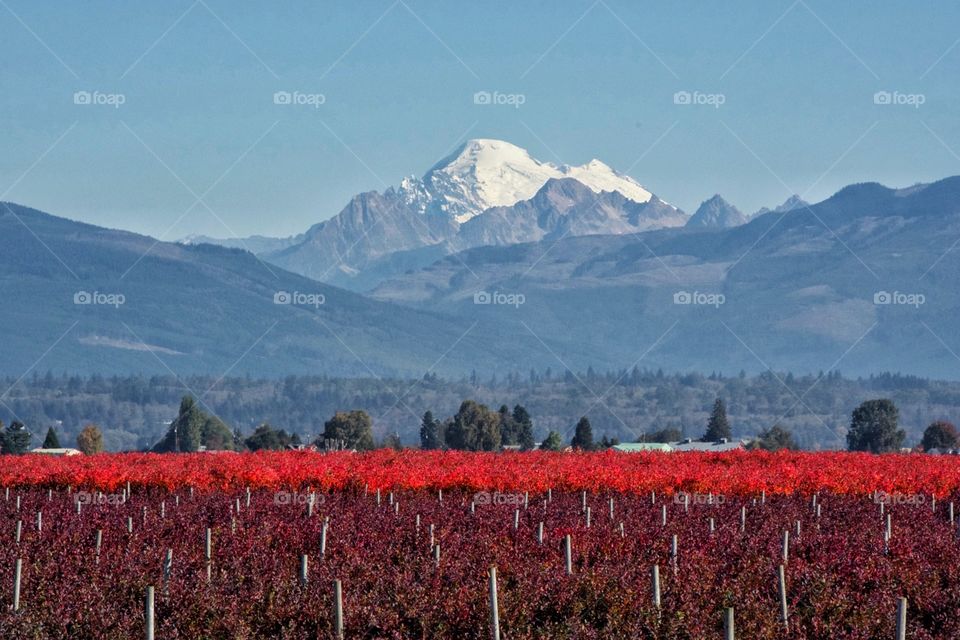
(597, 79)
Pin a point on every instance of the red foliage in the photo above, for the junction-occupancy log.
(736, 473)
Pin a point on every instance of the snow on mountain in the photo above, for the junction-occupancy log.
(485, 173)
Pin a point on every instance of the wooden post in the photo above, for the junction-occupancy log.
(655, 579)
(208, 553)
(540, 533)
(901, 619)
(304, 569)
(337, 610)
(97, 544)
(782, 580)
(494, 608)
(17, 574)
(786, 546)
(148, 614)
(729, 631)
(568, 554)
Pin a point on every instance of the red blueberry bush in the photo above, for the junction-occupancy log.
(843, 577)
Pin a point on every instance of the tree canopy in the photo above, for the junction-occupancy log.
(874, 427)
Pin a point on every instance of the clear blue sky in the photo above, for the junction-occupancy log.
(198, 79)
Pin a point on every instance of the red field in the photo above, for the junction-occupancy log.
(729, 512)
(739, 473)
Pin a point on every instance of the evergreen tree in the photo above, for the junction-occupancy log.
(552, 442)
(16, 439)
(90, 440)
(51, 441)
(353, 428)
(430, 432)
(474, 428)
(718, 427)
(873, 427)
(583, 435)
(193, 429)
(508, 429)
(523, 426)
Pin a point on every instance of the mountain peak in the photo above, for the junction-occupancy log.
(716, 212)
(484, 172)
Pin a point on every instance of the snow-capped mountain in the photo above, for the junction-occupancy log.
(485, 173)
(405, 227)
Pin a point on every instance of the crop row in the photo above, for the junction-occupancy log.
(737, 473)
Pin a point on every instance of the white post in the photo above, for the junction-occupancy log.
(39, 522)
(494, 608)
(786, 546)
(674, 553)
(568, 554)
(17, 574)
(729, 631)
(208, 553)
(743, 519)
(663, 515)
(98, 543)
(148, 614)
(540, 533)
(782, 580)
(902, 619)
(655, 577)
(338, 609)
(304, 569)
(19, 531)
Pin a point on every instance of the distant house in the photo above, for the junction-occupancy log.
(689, 444)
(57, 452)
(634, 447)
